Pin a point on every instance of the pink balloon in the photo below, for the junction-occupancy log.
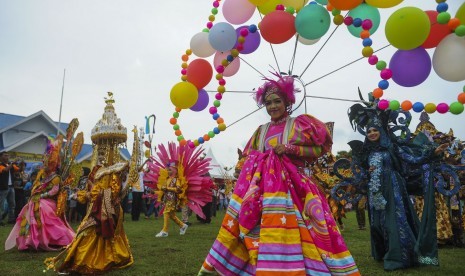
(202, 101)
(238, 11)
(229, 70)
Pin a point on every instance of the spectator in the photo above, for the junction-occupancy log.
(7, 191)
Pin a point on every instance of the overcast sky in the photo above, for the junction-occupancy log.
(133, 48)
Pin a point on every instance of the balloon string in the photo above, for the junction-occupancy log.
(242, 118)
(321, 48)
(271, 45)
(251, 66)
(291, 65)
(336, 99)
(350, 63)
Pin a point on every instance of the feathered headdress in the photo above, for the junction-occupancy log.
(192, 173)
(283, 86)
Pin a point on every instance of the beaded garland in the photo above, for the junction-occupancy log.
(385, 73)
(443, 18)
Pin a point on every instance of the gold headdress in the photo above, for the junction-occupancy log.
(108, 134)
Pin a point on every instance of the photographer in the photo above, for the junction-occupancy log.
(7, 191)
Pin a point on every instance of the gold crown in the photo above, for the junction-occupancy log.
(109, 128)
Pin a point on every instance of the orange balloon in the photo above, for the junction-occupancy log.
(377, 93)
(173, 121)
(406, 105)
(453, 23)
(345, 4)
(177, 132)
(199, 73)
(277, 27)
(183, 142)
(461, 98)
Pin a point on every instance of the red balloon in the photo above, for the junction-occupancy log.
(345, 4)
(277, 27)
(199, 73)
(437, 32)
(147, 144)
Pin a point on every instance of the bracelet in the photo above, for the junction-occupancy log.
(291, 149)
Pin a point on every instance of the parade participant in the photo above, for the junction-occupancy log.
(171, 188)
(7, 191)
(277, 220)
(397, 237)
(101, 244)
(42, 224)
(181, 178)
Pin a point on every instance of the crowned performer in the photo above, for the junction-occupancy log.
(278, 221)
(182, 180)
(41, 224)
(101, 244)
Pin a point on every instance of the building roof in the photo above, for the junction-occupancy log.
(8, 121)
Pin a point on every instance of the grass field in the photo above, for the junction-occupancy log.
(183, 255)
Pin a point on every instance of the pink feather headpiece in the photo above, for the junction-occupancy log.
(283, 86)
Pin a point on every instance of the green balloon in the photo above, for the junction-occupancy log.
(394, 105)
(461, 13)
(312, 21)
(407, 28)
(364, 11)
(322, 2)
(456, 108)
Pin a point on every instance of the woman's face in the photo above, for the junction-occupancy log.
(172, 171)
(373, 134)
(275, 106)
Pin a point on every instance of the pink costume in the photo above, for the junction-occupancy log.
(38, 226)
(278, 222)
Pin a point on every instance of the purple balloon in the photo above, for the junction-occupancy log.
(410, 67)
(202, 101)
(251, 43)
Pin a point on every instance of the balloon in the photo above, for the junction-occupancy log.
(449, 58)
(229, 70)
(407, 28)
(307, 41)
(410, 68)
(258, 2)
(238, 11)
(184, 94)
(222, 36)
(268, 7)
(456, 108)
(147, 144)
(296, 4)
(147, 153)
(364, 11)
(322, 2)
(200, 45)
(202, 101)
(383, 3)
(461, 14)
(312, 22)
(437, 32)
(345, 4)
(277, 27)
(199, 73)
(252, 41)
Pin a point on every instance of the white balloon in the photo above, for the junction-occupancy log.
(305, 41)
(449, 58)
(200, 45)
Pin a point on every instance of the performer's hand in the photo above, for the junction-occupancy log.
(279, 149)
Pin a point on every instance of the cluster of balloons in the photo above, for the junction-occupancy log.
(411, 30)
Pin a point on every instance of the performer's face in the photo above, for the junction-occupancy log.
(373, 134)
(275, 106)
(173, 171)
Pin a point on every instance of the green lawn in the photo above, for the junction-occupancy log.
(183, 255)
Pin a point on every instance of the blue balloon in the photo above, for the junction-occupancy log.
(418, 107)
(222, 36)
(383, 84)
(202, 101)
(216, 130)
(216, 116)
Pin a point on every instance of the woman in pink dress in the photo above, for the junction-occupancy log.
(38, 226)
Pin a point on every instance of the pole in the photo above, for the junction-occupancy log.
(61, 101)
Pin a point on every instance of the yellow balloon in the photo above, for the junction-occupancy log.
(430, 108)
(461, 14)
(268, 7)
(296, 4)
(258, 2)
(147, 153)
(184, 95)
(383, 3)
(407, 28)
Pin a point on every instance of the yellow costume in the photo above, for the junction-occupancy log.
(172, 188)
(101, 243)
